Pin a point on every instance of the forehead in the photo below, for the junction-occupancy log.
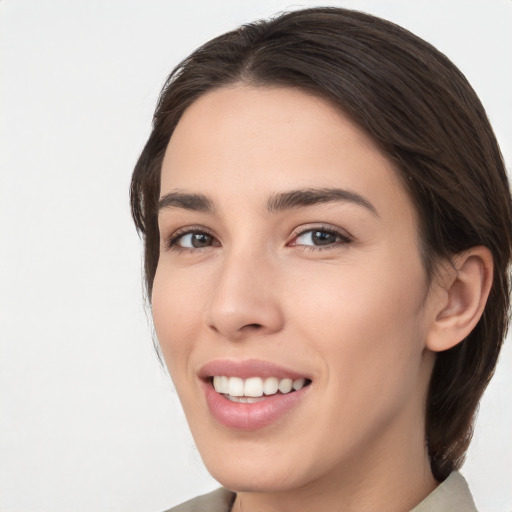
(256, 140)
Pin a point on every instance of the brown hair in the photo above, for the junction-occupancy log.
(421, 111)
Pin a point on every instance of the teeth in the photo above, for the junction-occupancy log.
(236, 386)
(298, 384)
(221, 384)
(254, 387)
(245, 399)
(270, 386)
(285, 385)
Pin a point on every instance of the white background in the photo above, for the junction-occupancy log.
(88, 419)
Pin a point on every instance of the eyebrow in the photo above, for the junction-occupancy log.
(277, 203)
(187, 201)
(312, 196)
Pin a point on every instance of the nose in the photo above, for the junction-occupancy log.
(244, 298)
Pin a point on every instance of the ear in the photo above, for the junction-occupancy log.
(464, 289)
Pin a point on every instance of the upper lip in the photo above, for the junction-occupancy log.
(247, 368)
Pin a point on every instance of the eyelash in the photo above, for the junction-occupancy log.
(172, 243)
(344, 239)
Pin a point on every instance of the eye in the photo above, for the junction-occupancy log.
(191, 240)
(321, 238)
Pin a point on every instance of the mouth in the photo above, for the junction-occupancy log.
(255, 389)
(250, 395)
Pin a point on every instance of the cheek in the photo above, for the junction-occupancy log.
(365, 329)
(177, 313)
(366, 323)
(372, 293)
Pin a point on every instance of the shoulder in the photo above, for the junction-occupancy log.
(452, 494)
(219, 500)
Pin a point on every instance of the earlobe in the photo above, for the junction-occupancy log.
(466, 287)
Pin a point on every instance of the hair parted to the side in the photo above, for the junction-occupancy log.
(421, 111)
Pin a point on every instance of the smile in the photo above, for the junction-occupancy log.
(255, 389)
(251, 394)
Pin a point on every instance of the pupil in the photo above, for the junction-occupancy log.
(323, 238)
(201, 240)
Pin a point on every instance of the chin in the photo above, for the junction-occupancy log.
(257, 469)
(252, 478)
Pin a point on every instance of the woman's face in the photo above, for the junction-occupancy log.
(289, 256)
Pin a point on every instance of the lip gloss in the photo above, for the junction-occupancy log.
(249, 416)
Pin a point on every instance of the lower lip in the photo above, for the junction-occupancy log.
(245, 416)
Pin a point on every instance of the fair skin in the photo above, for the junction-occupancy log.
(334, 291)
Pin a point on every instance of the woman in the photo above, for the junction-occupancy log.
(327, 226)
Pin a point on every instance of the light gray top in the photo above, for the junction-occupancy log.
(451, 495)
